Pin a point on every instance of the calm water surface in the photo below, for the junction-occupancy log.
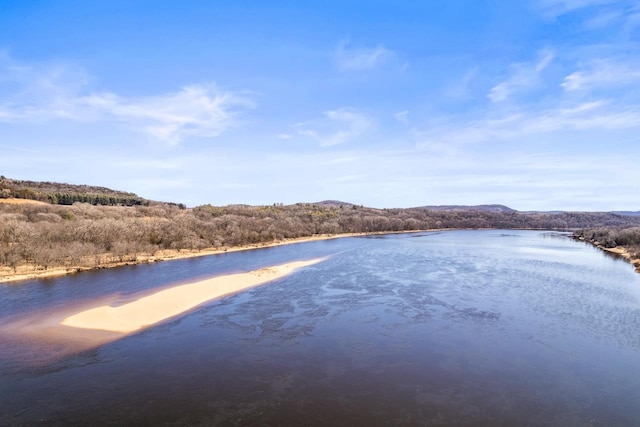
(454, 328)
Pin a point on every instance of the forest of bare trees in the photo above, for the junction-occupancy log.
(612, 237)
(46, 235)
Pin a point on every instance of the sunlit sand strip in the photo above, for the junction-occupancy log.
(171, 302)
(12, 201)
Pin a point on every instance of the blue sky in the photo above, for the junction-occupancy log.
(534, 104)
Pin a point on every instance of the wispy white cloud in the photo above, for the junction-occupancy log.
(460, 89)
(350, 58)
(581, 108)
(554, 8)
(49, 79)
(338, 126)
(632, 21)
(201, 110)
(41, 93)
(603, 73)
(523, 76)
(341, 159)
(402, 117)
(622, 16)
(604, 19)
(593, 116)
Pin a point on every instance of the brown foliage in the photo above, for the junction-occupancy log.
(45, 236)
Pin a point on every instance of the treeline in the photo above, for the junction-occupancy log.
(611, 237)
(615, 237)
(84, 235)
(67, 194)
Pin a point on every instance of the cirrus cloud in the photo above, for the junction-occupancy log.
(523, 76)
(603, 74)
(357, 59)
(338, 126)
(37, 93)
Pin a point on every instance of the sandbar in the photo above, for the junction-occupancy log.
(162, 305)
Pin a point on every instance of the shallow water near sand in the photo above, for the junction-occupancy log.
(487, 327)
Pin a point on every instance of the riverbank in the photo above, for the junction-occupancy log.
(28, 272)
(620, 251)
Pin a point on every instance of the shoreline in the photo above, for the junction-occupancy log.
(173, 254)
(619, 251)
(623, 252)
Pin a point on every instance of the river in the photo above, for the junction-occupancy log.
(489, 327)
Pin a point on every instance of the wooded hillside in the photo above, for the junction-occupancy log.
(48, 235)
(66, 194)
(611, 237)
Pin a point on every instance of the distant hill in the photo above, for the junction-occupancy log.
(334, 204)
(57, 187)
(66, 194)
(546, 212)
(626, 213)
(438, 208)
(464, 208)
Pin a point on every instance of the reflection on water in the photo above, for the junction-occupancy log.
(454, 328)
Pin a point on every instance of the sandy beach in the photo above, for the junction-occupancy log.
(162, 305)
(620, 251)
(624, 253)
